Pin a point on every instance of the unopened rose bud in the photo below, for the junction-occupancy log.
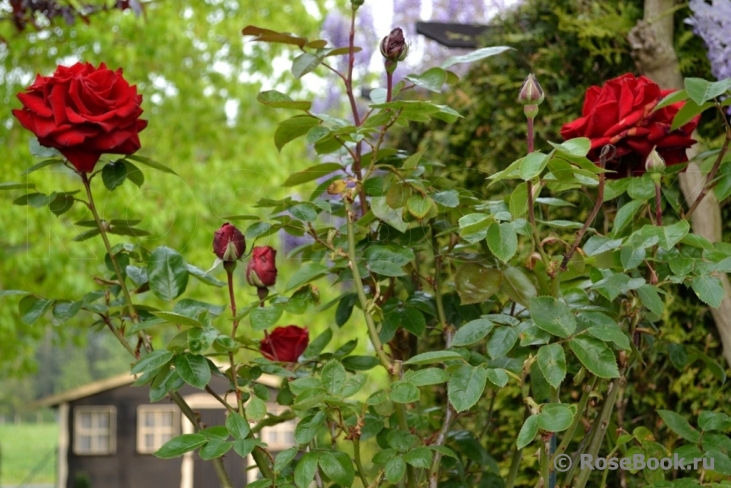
(654, 162)
(394, 47)
(261, 271)
(531, 92)
(229, 243)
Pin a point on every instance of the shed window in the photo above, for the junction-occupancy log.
(95, 430)
(156, 424)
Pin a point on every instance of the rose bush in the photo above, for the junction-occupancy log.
(622, 113)
(83, 112)
(464, 303)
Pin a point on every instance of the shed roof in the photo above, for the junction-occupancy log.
(123, 379)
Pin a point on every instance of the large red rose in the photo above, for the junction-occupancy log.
(83, 112)
(621, 113)
(285, 344)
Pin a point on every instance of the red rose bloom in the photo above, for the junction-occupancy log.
(262, 269)
(621, 113)
(285, 344)
(83, 112)
(229, 243)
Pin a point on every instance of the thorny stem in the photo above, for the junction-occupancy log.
(359, 462)
(711, 174)
(260, 457)
(356, 116)
(658, 208)
(358, 282)
(597, 205)
(174, 395)
(103, 231)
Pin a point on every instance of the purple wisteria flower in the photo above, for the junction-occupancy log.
(712, 22)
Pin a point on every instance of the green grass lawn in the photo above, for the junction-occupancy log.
(22, 447)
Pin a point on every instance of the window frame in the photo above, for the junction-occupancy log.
(156, 430)
(92, 432)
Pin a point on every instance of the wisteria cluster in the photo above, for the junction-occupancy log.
(712, 22)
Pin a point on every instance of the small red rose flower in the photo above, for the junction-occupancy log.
(229, 243)
(83, 112)
(262, 269)
(285, 344)
(621, 113)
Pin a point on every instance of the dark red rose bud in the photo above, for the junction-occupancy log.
(228, 243)
(83, 112)
(394, 47)
(262, 269)
(285, 344)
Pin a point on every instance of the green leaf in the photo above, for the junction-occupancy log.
(395, 469)
(475, 283)
(472, 332)
(625, 215)
(501, 342)
(689, 110)
(291, 129)
(552, 361)
(204, 277)
(465, 386)
(114, 174)
(555, 417)
(61, 204)
(427, 376)
(631, 257)
(307, 428)
(502, 240)
(32, 308)
(404, 392)
(42, 164)
(533, 165)
(431, 79)
(353, 385)
(275, 99)
(194, 369)
(9, 185)
(215, 448)
(360, 363)
(642, 188)
(305, 63)
(418, 205)
(420, 457)
(497, 376)
(306, 273)
(285, 457)
(338, 467)
(447, 198)
(176, 318)
(475, 56)
(64, 311)
(709, 289)
(553, 316)
(679, 425)
(151, 163)
(669, 235)
(167, 273)
(264, 317)
(333, 377)
(312, 173)
(528, 431)
(304, 212)
(244, 447)
(256, 409)
(8, 293)
(517, 286)
(177, 446)
(701, 91)
(610, 333)
(392, 217)
(651, 299)
(237, 426)
(718, 421)
(674, 97)
(133, 173)
(152, 361)
(306, 468)
(595, 356)
(432, 357)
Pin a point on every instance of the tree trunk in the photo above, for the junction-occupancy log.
(652, 46)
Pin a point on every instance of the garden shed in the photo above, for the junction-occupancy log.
(109, 430)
